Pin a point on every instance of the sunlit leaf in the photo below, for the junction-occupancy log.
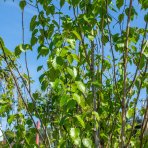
(80, 120)
(74, 133)
(81, 86)
(77, 35)
(22, 4)
(87, 142)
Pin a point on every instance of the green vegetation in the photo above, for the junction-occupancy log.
(96, 68)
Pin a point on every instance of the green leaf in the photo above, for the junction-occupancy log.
(50, 10)
(77, 35)
(2, 47)
(59, 60)
(119, 3)
(11, 119)
(75, 2)
(62, 2)
(54, 22)
(80, 120)
(120, 45)
(103, 136)
(39, 68)
(91, 37)
(53, 74)
(121, 17)
(43, 50)
(7, 51)
(73, 72)
(70, 58)
(33, 40)
(33, 23)
(71, 42)
(63, 100)
(71, 104)
(87, 142)
(130, 113)
(144, 4)
(2, 42)
(70, 71)
(10, 134)
(75, 57)
(30, 107)
(77, 141)
(96, 115)
(22, 4)
(19, 49)
(146, 17)
(81, 86)
(44, 85)
(79, 100)
(74, 133)
(2, 102)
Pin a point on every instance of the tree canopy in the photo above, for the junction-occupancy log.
(95, 61)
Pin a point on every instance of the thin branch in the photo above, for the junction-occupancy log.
(125, 57)
(112, 51)
(18, 89)
(141, 52)
(82, 41)
(26, 62)
(145, 121)
(31, 4)
(102, 25)
(134, 117)
(44, 32)
(34, 102)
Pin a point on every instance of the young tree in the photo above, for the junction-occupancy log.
(91, 84)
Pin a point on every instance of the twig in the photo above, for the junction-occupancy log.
(18, 89)
(125, 57)
(142, 49)
(26, 62)
(145, 122)
(139, 90)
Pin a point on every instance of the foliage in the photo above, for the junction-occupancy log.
(89, 94)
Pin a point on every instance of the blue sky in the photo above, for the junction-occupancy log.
(11, 32)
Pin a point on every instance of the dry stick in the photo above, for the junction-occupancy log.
(125, 56)
(18, 89)
(26, 63)
(139, 90)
